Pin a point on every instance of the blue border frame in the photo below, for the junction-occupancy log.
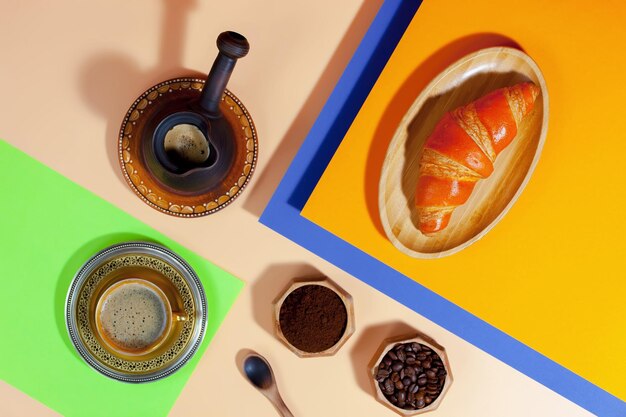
(282, 214)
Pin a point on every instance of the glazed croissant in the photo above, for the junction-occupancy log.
(462, 148)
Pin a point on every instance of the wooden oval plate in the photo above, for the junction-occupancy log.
(463, 82)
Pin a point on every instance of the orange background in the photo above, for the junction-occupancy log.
(551, 272)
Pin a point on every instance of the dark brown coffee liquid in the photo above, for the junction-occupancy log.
(313, 318)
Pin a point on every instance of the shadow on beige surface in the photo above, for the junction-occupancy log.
(109, 81)
(268, 180)
(405, 96)
(239, 358)
(366, 346)
(270, 285)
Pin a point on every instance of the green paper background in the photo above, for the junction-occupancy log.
(49, 227)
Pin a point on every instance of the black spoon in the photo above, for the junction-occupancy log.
(259, 373)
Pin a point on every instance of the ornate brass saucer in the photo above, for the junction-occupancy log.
(189, 147)
(162, 268)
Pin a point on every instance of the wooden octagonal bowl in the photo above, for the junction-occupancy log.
(390, 344)
(324, 282)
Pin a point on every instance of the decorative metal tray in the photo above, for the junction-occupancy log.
(163, 268)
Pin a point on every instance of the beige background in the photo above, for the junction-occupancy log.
(69, 71)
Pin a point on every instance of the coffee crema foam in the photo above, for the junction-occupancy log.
(133, 317)
(188, 142)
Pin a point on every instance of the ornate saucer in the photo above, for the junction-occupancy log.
(163, 268)
(152, 184)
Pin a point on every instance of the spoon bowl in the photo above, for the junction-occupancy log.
(258, 372)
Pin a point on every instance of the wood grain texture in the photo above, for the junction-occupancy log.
(463, 82)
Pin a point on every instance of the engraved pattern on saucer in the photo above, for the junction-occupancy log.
(148, 256)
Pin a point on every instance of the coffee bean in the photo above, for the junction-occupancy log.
(383, 373)
(411, 376)
(401, 396)
(396, 366)
(388, 385)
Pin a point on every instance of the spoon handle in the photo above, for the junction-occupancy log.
(282, 407)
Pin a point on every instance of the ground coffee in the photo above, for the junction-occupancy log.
(313, 318)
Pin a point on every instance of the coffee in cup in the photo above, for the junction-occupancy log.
(134, 316)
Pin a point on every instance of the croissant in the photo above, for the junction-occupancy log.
(462, 149)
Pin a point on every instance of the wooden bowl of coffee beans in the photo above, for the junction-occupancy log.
(411, 374)
(313, 317)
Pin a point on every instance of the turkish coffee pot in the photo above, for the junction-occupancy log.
(191, 146)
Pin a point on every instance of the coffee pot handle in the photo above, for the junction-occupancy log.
(231, 46)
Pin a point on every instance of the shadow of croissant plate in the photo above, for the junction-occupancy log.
(461, 83)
